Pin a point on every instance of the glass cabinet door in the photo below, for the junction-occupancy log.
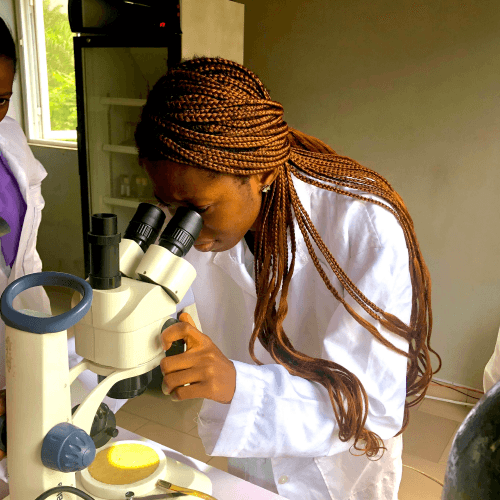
(116, 82)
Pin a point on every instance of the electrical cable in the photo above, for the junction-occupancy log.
(70, 489)
(451, 385)
(453, 389)
(423, 473)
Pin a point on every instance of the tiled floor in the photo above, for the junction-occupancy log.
(427, 441)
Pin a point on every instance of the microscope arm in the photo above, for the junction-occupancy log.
(84, 415)
(78, 369)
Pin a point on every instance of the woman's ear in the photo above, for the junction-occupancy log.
(269, 177)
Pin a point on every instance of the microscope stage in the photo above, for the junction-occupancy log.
(123, 466)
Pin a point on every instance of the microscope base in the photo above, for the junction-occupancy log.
(177, 473)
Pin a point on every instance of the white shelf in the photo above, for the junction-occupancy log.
(131, 150)
(122, 101)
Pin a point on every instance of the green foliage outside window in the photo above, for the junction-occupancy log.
(60, 68)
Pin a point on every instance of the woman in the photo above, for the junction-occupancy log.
(343, 334)
(21, 205)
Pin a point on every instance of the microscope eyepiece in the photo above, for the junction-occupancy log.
(182, 231)
(145, 225)
(104, 241)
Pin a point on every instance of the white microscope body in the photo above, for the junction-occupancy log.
(119, 338)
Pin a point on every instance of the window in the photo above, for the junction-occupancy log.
(48, 71)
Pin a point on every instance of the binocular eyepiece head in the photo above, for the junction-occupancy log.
(178, 237)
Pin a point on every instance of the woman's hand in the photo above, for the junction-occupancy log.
(3, 411)
(210, 373)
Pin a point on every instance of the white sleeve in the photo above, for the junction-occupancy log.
(492, 370)
(275, 414)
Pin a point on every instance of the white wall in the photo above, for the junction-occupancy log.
(409, 89)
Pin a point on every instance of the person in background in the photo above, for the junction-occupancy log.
(21, 205)
(492, 369)
(309, 349)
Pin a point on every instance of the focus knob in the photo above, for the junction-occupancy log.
(67, 448)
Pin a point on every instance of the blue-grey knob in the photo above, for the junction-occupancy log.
(67, 448)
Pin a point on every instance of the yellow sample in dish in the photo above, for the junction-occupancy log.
(124, 464)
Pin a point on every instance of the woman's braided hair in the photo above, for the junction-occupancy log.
(215, 114)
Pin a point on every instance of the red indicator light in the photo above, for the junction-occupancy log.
(162, 25)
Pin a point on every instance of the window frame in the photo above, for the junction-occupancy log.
(32, 59)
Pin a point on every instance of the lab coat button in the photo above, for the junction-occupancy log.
(283, 479)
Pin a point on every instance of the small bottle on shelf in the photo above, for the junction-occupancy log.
(124, 186)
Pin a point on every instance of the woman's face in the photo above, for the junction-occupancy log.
(228, 208)
(6, 81)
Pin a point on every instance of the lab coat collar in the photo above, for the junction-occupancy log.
(232, 261)
(28, 171)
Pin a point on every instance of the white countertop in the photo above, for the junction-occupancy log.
(224, 485)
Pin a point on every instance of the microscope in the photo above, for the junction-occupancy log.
(118, 314)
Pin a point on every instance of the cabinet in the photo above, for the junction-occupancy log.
(114, 75)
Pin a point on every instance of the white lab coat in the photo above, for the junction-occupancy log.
(492, 370)
(29, 174)
(284, 422)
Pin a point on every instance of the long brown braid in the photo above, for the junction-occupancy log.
(215, 114)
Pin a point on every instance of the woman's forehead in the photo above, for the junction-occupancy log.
(169, 171)
(182, 182)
